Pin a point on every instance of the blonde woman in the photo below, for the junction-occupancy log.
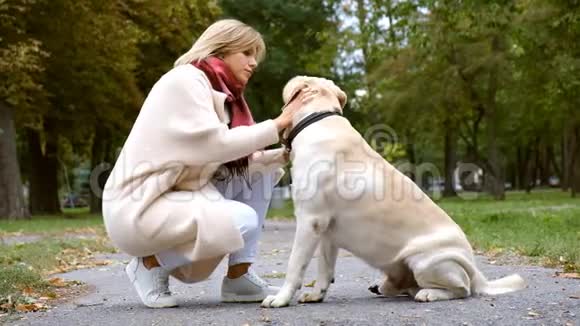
(192, 182)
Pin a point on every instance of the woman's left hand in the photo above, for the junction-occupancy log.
(284, 120)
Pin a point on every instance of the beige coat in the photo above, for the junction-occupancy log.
(159, 195)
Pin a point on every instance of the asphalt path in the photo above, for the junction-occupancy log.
(548, 300)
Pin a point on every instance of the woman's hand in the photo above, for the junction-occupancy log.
(284, 120)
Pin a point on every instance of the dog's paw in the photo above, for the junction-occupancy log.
(430, 295)
(311, 297)
(422, 296)
(274, 301)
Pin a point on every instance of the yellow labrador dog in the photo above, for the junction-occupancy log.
(347, 196)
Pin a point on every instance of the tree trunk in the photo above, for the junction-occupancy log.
(520, 164)
(362, 14)
(99, 155)
(535, 166)
(511, 174)
(43, 175)
(553, 162)
(410, 148)
(544, 165)
(496, 176)
(450, 161)
(565, 180)
(519, 169)
(576, 179)
(575, 160)
(531, 172)
(12, 204)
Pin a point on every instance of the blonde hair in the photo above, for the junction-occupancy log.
(224, 37)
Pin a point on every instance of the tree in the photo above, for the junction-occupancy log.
(549, 55)
(19, 62)
(453, 64)
(12, 203)
(299, 37)
(92, 51)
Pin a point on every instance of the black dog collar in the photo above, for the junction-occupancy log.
(310, 119)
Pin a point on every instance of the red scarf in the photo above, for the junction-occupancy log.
(223, 80)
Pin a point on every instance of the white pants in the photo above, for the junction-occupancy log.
(250, 204)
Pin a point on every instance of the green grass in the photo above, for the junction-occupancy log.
(551, 236)
(25, 266)
(43, 256)
(284, 212)
(69, 221)
(514, 200)
(543, 225)
(13, 279)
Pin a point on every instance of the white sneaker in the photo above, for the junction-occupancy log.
(246, 288)
(152, 285)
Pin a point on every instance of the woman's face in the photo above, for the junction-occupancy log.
(242, 64)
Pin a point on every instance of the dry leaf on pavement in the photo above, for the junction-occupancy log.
(28, 291)
(58, 282)
(31, 307)
(568, 275)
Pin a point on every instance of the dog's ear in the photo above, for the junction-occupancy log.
(340, 95)
(293, 86)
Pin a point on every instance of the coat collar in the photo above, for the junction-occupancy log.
(219, 100)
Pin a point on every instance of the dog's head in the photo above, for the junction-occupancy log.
(324, 86)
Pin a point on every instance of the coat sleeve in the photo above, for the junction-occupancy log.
(193, 129)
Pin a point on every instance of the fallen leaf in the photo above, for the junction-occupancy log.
(28, 291)
(6, 306)
(311, 284)
(568, 275)
(57, 281)
(30, 307)
(274, 274)
(25, 307)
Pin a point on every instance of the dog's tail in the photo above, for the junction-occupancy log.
(502, 285)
